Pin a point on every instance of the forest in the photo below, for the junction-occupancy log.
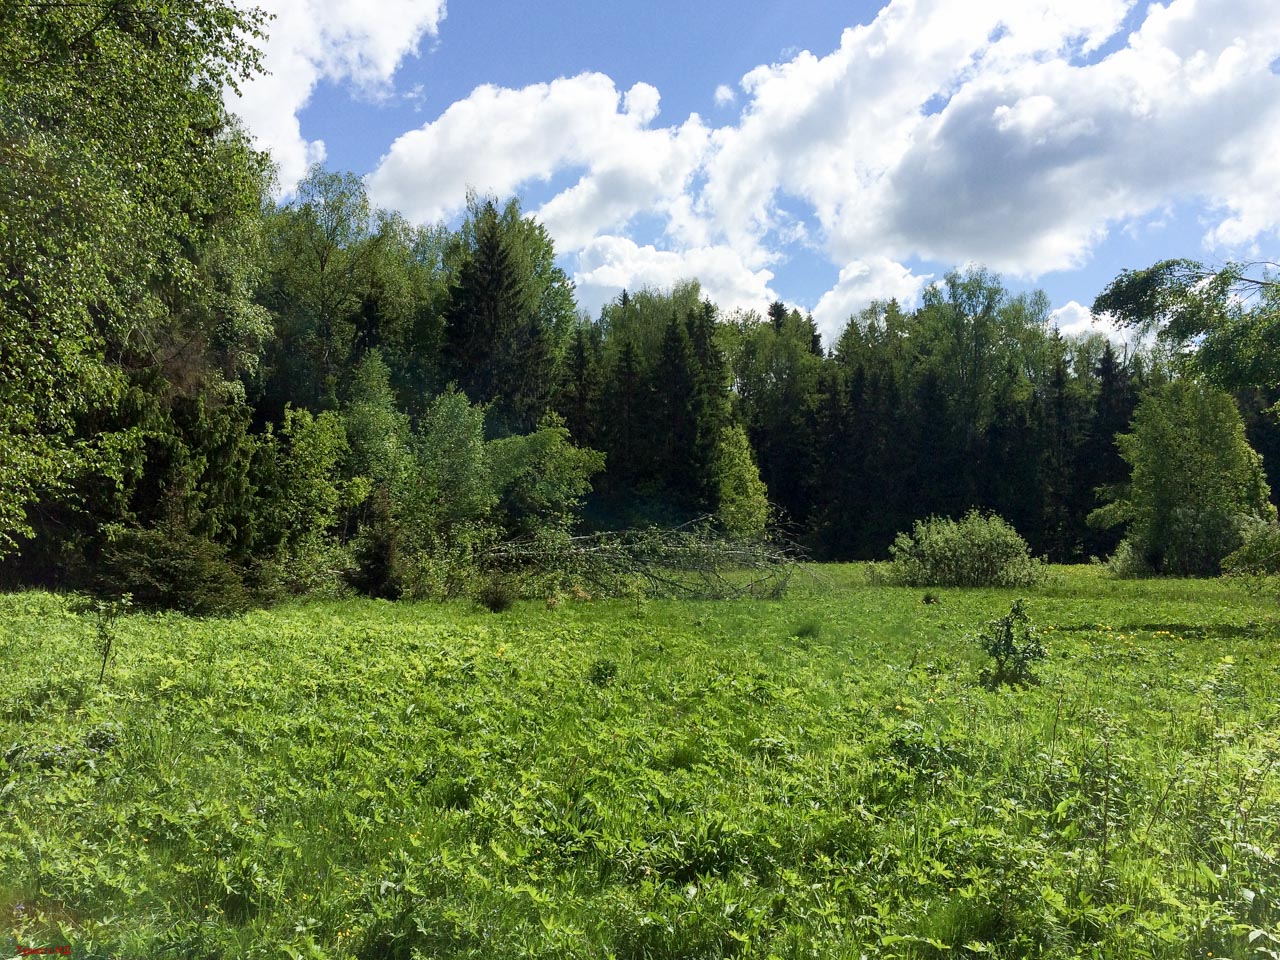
(199, 383)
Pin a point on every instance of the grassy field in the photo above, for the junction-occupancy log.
(820, 776)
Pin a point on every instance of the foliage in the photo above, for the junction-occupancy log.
(1009, 642)
(357, 778)
(169, 568)
(979, 336)
(496, 594)
(298, 470)
(124, 190)
(510, 309)
(1226, 319)
(695, 561)
(540, 478)
(776, 373)
(742, 502)
(379, 566)
(320, 266)
(452, 486)
(1259, 550)
(105, 613)
(377, 433)
(603, 672)
(974, 551)
(1194, 479)
(317, 567)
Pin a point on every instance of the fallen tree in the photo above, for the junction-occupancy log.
(693, 561)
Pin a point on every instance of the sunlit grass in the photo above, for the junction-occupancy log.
(817, 776)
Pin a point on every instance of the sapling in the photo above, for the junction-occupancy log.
(105, 614)
(1008, 640)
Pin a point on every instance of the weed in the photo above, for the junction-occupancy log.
(602, 672)
(497, 594)
(105, 613)
(1009, 642)
(351, 777)
(808, 630)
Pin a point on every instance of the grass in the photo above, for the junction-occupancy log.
(821, 776)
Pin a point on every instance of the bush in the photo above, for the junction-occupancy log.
(378, 563)
(975, 551)
(1129, 562)
(1194, 481)
(168, 568)
(496, 594)
(1259, 553)
(318, 568)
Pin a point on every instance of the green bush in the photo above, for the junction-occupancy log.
(168, 568)
(1259, 553)
(1130, 562)
(1194, 481)
(975, 551)
(378, 565)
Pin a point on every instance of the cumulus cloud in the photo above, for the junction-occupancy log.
(497, 139)
(862, 281)
(995, 131)
(1036, 151)
(1074, 319)
(610, 264)
(345, 41)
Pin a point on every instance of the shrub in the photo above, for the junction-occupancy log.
(496, 594)
(378, 567)
(168, 568)
(318, 567)
(742, 500)
(1259, 553)
(1129, 562)
(975, 551)
(1008, 641)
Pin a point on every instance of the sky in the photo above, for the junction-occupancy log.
(816, 152)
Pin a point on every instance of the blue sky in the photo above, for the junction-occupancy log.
(822, 153)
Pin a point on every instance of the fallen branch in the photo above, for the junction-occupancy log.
(693, 561)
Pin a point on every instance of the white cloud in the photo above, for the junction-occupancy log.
(1075, 319)
(862, 281)
(990, 131)
(313, 40)
(608, 265)
(498, 139)
(1034, 157)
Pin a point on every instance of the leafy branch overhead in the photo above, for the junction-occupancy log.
(1227, 318)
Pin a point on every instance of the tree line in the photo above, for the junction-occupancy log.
(198, 382)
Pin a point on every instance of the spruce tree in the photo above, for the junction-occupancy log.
(673, 383)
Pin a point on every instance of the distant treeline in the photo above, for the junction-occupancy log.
(196, 381)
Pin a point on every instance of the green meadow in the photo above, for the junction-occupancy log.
(817, 776)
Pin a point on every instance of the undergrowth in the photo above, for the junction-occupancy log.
(816, 777)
